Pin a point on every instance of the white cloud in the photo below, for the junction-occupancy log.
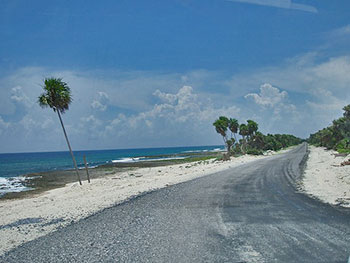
(47, 124)
(269, 96)
(91, 127)
(101, 102)
(276, 107)
(286, 4)
(340, 32)
(19, 96)
(28, 123)
(180, 116)
(332, 74)
(3, 125)
(91, 121)
(170, 98)
(185, 106)
(326, 105)
(181, 106)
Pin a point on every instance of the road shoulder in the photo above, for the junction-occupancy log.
(325, 178)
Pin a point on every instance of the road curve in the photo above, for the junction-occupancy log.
(251, 213)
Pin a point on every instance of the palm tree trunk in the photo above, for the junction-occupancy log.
(225, 141)
(242, 146)
(70, 149)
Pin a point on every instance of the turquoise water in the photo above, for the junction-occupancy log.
(14, 165)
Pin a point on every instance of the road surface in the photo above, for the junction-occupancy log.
(251, 213)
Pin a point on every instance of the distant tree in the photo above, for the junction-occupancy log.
(233, 126)
(221, 125)
(230, 143)
(57, 96)
(336, 136)
(244, 132)
(255, 142)
(347, 111)
(258, 141)
(252, 127)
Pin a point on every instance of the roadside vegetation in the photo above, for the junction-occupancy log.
(251, 140)
(335, 136)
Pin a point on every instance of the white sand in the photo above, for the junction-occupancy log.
(26, 219)
(325, 179)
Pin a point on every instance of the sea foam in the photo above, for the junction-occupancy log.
(12, 184)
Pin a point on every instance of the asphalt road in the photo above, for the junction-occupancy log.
(251, 213)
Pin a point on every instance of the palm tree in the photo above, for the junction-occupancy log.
(243, 131)
(57, 96)
(233, 126)
(221, 125)
(252, 127)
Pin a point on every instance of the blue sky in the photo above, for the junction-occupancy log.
(158, 73)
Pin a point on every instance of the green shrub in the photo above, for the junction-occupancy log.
(343, 146)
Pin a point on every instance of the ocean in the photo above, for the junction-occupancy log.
(13, 166)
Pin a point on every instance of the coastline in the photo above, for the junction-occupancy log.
(325, 179)
(25, 219)
(27, 185)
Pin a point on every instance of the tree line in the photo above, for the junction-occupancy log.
(335, 136)
(252, 141)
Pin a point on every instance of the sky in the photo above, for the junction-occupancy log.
(158, 73)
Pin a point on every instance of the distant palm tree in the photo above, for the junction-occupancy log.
(57, 96)
(243, 131)
(221, 126)
(252, 127)
(233, 126)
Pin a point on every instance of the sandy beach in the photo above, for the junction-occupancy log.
(324, 177)
(28, 218)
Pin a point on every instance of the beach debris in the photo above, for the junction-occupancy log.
(345, 163)
(339, 155)
(342, 201)
(269, 152)
(86, 168)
